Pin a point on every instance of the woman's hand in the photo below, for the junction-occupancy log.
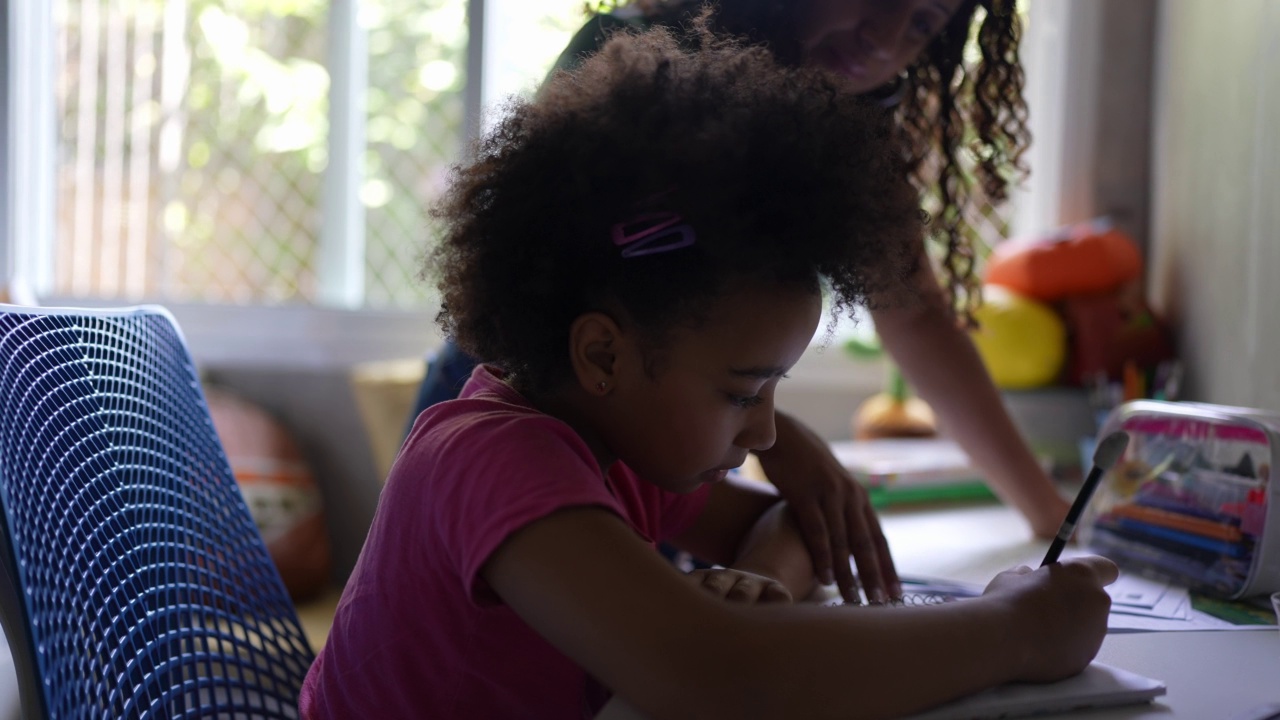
(1060, 611)
(833, 512)
(740, 586)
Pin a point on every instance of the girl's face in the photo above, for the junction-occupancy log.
(871, 41)
(709, 397)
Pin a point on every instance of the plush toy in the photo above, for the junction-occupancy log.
(1082, 259)
(1023, 342)
(1111, 330)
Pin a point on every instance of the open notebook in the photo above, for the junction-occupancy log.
(1098, 686)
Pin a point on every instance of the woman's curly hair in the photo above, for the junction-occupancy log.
(783, 175)
(965, 128)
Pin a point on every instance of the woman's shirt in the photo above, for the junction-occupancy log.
(591, 36)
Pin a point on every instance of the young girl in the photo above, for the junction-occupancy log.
(906, 56)
(641, 254)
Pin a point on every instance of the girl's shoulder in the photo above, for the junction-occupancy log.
(493, 422)
(489, 432)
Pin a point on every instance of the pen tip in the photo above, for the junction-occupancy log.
(1110, 449)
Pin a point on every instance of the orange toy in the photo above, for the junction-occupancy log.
(279, 489)
(1081, 259)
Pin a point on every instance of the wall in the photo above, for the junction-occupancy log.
(1089, 65)
(1216, 194)
(1123, 111)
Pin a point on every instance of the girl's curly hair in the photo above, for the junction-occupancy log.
(964, 126)
(783, 175)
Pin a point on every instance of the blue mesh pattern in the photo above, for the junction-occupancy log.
(143, 589)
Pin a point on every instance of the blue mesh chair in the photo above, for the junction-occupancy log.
(135, 583)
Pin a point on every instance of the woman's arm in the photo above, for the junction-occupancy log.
(940, 361)
(833, 512)
(732, 509)
(583, 580)
(774, 548)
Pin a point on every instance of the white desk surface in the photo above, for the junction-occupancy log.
(1212, 675)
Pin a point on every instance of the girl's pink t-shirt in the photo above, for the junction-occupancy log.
(417, 632)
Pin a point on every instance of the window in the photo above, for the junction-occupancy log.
(226, 156)
(216, 155)
(191, 143)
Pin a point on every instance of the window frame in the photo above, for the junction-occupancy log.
(29, 140)
(1060, 52)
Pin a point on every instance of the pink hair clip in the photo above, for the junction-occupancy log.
(650, 233)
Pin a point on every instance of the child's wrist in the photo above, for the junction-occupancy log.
(1011, 623)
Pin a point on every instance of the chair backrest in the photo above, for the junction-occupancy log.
(135, 583)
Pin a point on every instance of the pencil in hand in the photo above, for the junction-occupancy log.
(1104, 458)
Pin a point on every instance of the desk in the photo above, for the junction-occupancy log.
(1210, 675)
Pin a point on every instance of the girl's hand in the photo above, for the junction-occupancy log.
(833, 512)
(1059, 612)
(740, 586)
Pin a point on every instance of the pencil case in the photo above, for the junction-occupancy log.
(1191, 499)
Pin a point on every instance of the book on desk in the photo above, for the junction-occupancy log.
(912, 470)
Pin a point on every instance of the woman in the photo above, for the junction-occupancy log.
(908, 56)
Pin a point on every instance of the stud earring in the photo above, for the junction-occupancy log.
(600, 386)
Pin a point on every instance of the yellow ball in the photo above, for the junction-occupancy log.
(1022, 342)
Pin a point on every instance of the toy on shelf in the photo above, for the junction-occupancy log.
(893, 412)
(1022, 341)
(1088, 277)
(1085, 259)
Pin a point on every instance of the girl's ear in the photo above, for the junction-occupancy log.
(594, 343)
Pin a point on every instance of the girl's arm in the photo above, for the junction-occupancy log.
(920, 332)
(583, 580)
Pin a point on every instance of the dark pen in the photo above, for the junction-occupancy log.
(1104, 457)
